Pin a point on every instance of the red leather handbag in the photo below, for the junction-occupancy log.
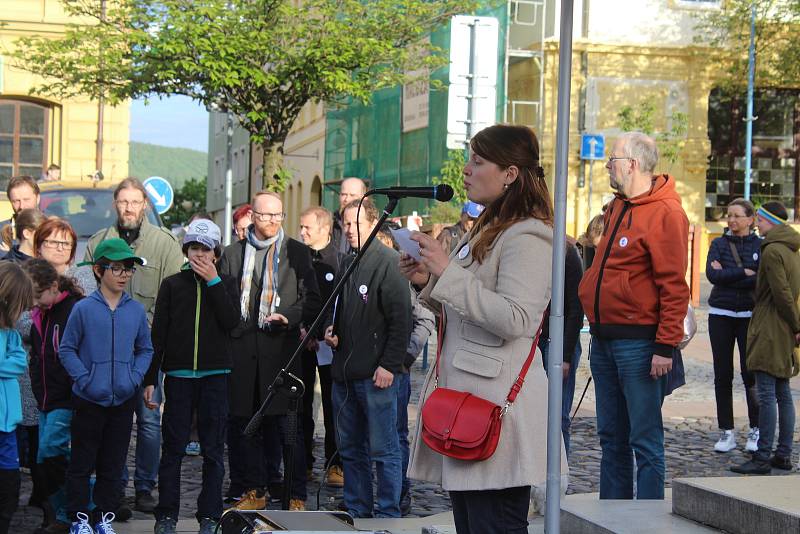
(464, 426)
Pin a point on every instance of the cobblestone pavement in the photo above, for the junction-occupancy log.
(689, 450)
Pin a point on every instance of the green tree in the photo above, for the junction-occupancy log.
(776, 44)
(262, 60)
(452, 174)
(189, 199)
(641, 118)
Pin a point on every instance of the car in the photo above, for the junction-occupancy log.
(87, 206)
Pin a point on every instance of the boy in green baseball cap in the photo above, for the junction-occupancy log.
(106, 350)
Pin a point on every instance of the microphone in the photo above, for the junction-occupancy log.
(441, 192)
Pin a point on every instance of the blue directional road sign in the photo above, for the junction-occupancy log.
(593, 146)
(160, 192)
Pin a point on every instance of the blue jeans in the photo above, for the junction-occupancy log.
(628, 417)
(363, 410)
(148, 442)
(567, 388)
(770, 389)
(403, 398)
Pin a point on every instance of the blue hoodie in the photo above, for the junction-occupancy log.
(13, 362)
(107, 353)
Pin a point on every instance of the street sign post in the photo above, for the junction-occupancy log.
(160, 192)
(593, 148)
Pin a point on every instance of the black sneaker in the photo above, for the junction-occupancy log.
(145, 502)
(405, 503)
(753, 467)
(780, 462)
(123, 513)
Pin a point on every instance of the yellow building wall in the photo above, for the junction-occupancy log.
(73, 122)
(678, 78)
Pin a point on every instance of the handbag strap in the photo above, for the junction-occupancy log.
(736, 257)
(517, 385)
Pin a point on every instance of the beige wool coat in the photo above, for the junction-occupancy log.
(493, 311)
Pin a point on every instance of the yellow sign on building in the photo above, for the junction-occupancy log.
(36, 132)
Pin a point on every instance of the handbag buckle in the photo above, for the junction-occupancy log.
(504, 410)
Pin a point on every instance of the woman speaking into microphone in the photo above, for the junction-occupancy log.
(482, 432)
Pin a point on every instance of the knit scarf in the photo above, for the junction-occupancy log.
(268, 300)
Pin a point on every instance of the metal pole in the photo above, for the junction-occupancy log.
(751, 72)
(473, 81)
(229, 181)
(589, 199)
(556, 350)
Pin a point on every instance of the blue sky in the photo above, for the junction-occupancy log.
(175, 121)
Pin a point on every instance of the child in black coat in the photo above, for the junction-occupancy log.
(196, 310)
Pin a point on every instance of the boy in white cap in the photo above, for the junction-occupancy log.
(196, 310)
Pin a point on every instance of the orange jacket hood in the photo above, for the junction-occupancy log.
(636, 286)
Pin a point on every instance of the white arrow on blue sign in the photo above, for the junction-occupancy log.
(593, 146)
(160, 192)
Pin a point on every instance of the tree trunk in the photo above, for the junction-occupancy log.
(273, 165)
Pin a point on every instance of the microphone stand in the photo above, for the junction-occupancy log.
(289, 385)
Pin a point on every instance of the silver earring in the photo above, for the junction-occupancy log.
(505, 186)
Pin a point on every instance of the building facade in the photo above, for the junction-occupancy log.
(38, 131)
(303, 156)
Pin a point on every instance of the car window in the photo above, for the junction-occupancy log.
(87, 210)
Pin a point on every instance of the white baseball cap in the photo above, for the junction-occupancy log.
(204, 232)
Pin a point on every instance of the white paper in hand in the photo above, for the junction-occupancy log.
(406, 244)
(324, 354)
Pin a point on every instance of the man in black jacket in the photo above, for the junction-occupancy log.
(315, 231)
(370, 331)
(573, 322)
(277, 293)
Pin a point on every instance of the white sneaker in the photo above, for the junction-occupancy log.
(727, 441)
(752, 440)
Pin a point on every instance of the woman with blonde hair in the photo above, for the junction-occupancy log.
(492, 293)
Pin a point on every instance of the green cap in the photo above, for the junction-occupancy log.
(114, 249)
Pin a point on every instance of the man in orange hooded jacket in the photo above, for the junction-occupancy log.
(635, 296)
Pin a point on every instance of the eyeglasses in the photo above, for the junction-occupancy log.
(612, 159)
(734, 216)
(59, 245)
(131, 203)
(263, 217)
(117, 270)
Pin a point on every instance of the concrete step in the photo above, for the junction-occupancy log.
(740, 505)
(587, 514)
(441, 523)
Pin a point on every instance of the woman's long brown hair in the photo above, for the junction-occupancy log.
(526, 197)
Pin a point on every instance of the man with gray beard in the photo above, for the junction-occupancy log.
(163, 256)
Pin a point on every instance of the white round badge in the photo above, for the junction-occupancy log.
(362, 289)
(463, 252)
(329, 277)
(755, 256)
(623, 242)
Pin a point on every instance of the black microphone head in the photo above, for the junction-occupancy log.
(442, 192)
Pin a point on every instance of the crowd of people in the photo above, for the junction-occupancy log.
(185, 336)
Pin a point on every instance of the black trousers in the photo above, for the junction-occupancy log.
(310, 369)
(502, 511)
(725, 332)
(247, 456)
(100, 437)
(208, 398)
(9, 497)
